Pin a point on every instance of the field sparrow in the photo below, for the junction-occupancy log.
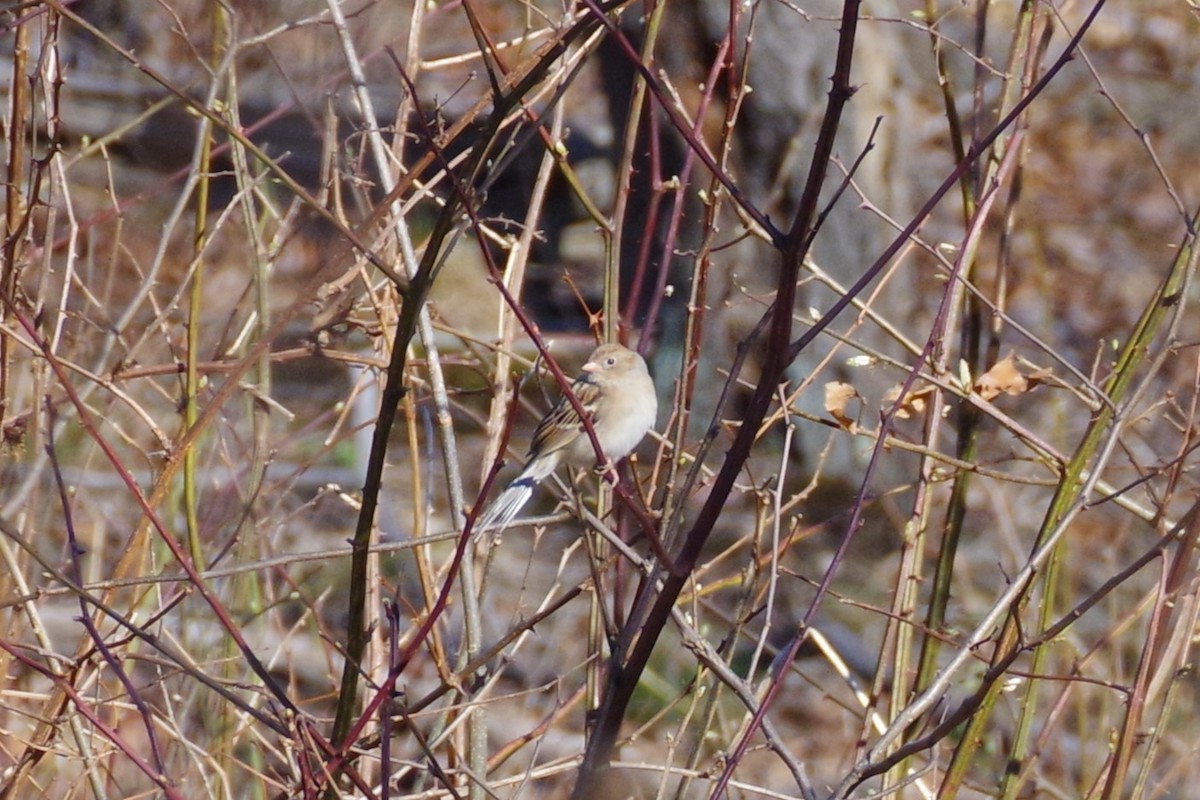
(616, 391)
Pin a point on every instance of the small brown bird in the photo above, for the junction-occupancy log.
(618, 395)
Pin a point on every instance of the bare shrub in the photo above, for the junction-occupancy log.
(286, 285)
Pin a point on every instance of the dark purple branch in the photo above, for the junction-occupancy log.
(466, 198)
(193, 575)
(973, 154)
(967, 707)
(85, 616)
(344, 727)
(69, 690)
(683, 182)
(622, 678)
(666, 102)
(649, 226)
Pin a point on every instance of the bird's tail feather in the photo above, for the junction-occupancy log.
(506, 507)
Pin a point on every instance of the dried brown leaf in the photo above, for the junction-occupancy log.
(837, 396)
(1002, 378)
(913, 404)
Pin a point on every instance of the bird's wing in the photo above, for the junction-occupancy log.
(562, 425)
(557, 430)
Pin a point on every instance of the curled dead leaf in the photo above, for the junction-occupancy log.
(1006, 378)
(914, 402)
(837, 396)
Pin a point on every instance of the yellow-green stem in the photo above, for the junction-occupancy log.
(1131, 357)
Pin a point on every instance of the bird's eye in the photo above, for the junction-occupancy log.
(610, 361)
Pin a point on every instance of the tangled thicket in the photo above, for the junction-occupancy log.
(284, 284)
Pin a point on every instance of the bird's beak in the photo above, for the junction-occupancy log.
(590, 366)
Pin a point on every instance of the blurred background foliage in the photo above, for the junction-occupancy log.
(173, 273)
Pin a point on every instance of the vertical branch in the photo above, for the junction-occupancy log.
(967, 416)
(682, 182)
(220, 33)
(15, 218)
(623, 676)
(414, 319)
(638, 119)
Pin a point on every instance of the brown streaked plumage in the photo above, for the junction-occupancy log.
(616, 391)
